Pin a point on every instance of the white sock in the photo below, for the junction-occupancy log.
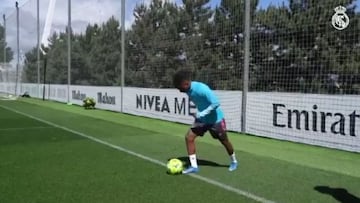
(233, 158)
(193, 160)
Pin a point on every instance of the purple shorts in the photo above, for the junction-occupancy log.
(217, 130)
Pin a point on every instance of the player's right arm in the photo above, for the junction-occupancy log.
(211, 98)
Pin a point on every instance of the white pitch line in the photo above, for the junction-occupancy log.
(25, 128)
(207, 180)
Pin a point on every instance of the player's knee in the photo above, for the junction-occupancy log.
(224, 140)
(190, 137)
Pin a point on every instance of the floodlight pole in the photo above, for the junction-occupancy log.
(7, 72)
(4, 39)
(44, 76)
(122, 53)
(38, 48)
(69, 51)
(18, 47)
(246, 66)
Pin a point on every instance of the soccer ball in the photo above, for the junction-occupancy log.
(174, 166)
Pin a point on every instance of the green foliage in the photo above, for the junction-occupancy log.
(9, 52)
(89, 103)
(293, 48)
(301, 51)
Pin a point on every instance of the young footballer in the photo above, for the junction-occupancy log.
(209, 117)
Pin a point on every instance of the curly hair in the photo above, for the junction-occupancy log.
(181, 76)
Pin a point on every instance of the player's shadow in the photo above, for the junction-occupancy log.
(201, 162)
(340, 194)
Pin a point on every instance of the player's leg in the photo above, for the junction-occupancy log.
(230, 150)
(190, 142)
(218, 131)
(197, 130)
(227, 144)
(191, 150)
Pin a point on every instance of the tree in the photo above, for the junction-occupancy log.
(80, 65)
(301, 51)
(30, 67)
(227, 42)
(196, 27)
(152, 45)
(292, 48)
(9, 52)
(270, 48)
(105, 54)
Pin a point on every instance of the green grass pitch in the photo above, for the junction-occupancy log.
(51, 162)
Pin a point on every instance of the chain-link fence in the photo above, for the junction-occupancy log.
(167, 36)
(294, 46)
(9, 73)
(309, 50)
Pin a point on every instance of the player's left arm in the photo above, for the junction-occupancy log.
(210, 96)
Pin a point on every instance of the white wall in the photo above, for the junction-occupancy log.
(106, 97)
(332, 121)
(268, 115)
(170, 104)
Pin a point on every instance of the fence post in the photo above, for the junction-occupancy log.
(4, 19)
(38, 47)
(18, 47)
(246, 66)
(122, 53)
(69, 51)
(5, 65)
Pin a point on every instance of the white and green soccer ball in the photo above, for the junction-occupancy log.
(174, 166)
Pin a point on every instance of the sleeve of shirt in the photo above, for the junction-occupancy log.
(212, 99)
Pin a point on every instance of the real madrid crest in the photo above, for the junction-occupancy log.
(340, 20)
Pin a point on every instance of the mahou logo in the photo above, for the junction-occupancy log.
(77, 95)
(106, 99)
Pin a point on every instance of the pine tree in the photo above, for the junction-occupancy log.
(9, 52)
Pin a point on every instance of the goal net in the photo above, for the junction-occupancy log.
(9, 82)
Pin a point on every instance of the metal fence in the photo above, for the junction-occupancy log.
(259, 46)
(294, 46)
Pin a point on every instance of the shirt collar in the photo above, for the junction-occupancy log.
(191, 88)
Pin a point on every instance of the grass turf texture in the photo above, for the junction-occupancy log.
(40, 163)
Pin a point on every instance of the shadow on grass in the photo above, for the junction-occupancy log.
(340, 194)
(201, 162)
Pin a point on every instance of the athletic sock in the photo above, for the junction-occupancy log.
(233, 158)
(193, 160)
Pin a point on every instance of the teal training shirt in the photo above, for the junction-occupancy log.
(206, 102)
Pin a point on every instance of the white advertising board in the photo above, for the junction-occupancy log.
(325, 120)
